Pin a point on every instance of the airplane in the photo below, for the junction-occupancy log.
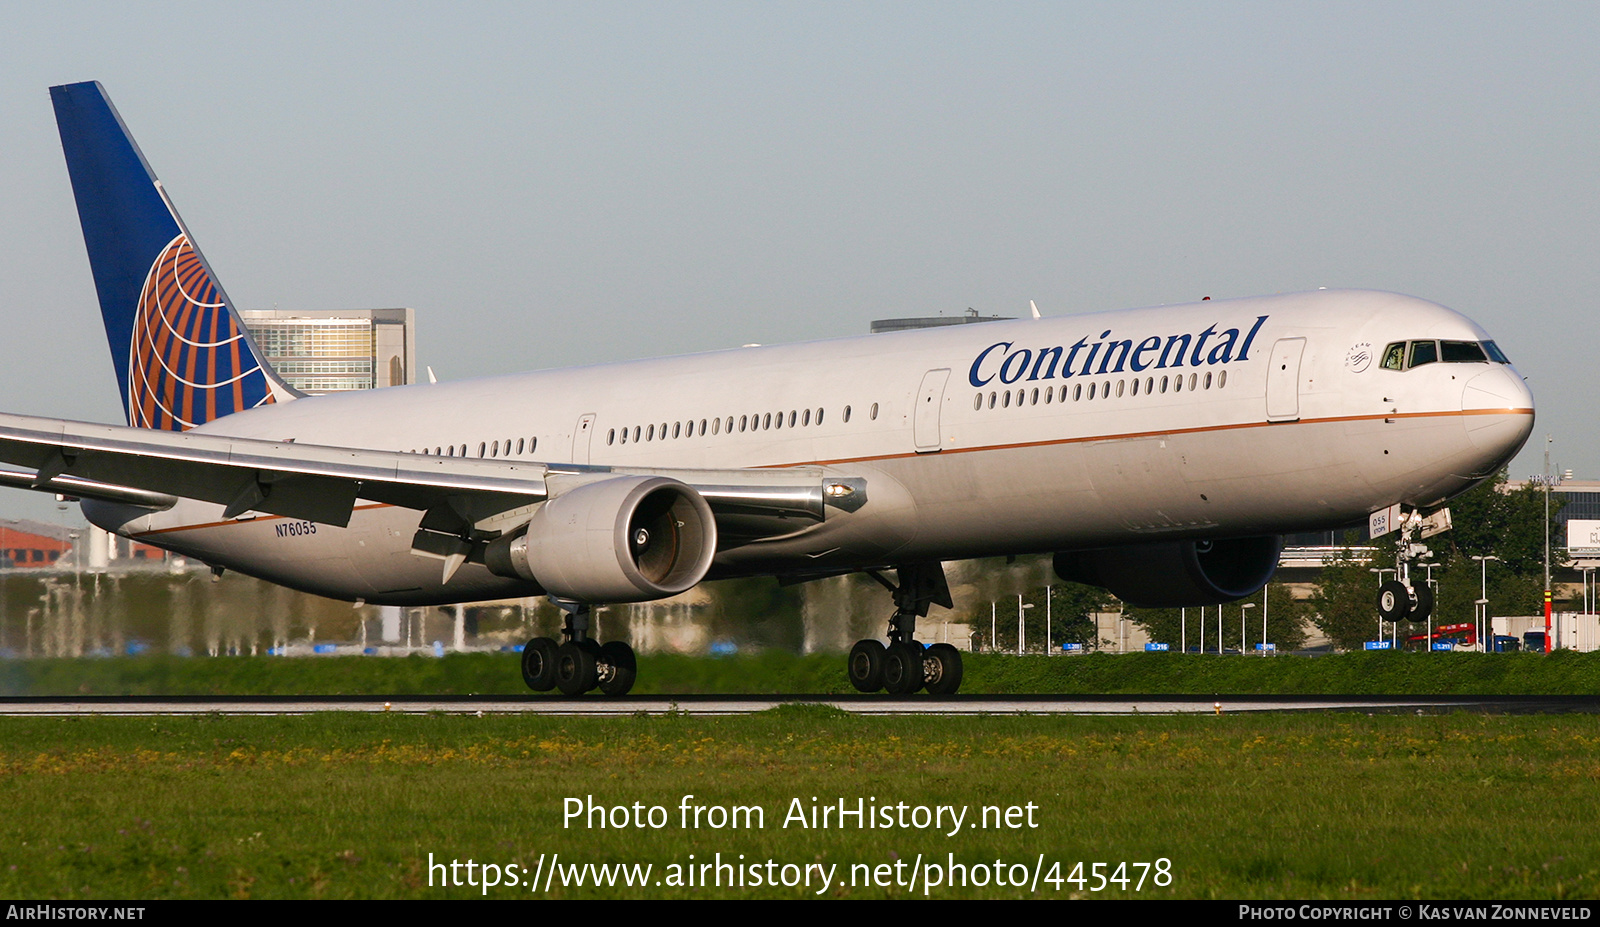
(1159, 453)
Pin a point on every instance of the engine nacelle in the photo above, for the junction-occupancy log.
(623, 539)
(1177, 573)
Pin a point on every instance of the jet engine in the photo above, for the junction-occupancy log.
(1176, 573)
(622, 539)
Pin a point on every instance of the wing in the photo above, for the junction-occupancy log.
(458, 496)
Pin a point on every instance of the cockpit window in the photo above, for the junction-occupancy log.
(1461, 352)
(1404, 355)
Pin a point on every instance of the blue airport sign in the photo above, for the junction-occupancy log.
(1071, 647)
(1379, 645)
(1268, 646)
(1156, 647)
(1443, 645)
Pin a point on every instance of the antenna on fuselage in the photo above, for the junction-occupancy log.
(431, 377)
(1034, 309)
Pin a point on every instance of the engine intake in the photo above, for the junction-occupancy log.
(623, 539)
(1177, 573)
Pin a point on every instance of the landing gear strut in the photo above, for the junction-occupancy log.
(905, 665)
(1400, 599)
(579, 663)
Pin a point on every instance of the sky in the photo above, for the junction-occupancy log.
(557, 184)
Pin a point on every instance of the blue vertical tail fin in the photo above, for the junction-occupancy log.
(182, 355)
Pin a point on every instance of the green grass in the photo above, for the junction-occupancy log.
(351, 806)
(776, 672)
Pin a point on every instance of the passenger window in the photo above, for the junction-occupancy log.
(847, 408)
(1423, 352)
(1394, 356)
(872, 413)
(1222, 379)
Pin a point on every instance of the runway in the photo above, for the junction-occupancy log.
(713, 705)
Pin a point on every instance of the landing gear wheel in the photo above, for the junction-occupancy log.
(942, 669)
(1424, 603)
(1394, 601)
(575, 668)
(866, 666)
(539, 664)
(902, 668)
(617, 668)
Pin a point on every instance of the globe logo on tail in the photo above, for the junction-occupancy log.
(189, 361)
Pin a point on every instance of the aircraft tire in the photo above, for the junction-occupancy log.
(902, 668)
(942, 670)
(617, 669)
(1394, 601)
(539, 664)
(1423, 608)
(865, 666)
(575, 669)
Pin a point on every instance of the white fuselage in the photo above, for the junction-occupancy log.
(975, 440)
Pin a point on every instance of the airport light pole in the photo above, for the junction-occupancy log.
(1049, 639)
(1241, 625)
(1547, 440)
(1265, 591)
(1021, 610)
(1483, 599)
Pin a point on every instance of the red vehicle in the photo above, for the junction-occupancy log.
(1457, 635)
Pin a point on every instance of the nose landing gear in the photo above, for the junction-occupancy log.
(1400, 599)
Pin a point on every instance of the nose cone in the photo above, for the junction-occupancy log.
(1498, 417)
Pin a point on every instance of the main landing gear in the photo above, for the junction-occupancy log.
(579, 663)
(905, 665)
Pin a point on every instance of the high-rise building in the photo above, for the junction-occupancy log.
(331, 350)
